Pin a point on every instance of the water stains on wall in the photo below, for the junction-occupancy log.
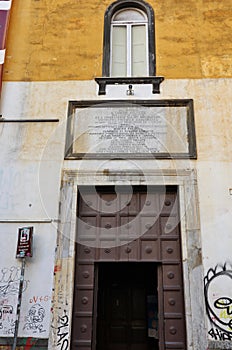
(60, 38)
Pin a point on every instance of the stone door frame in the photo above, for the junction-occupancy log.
(186, 180)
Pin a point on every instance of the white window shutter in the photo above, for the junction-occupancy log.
(119, 51)
(139, 51)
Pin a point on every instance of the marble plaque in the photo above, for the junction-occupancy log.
(104, 130)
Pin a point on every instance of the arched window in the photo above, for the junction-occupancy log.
(129, 44)
(129, 41)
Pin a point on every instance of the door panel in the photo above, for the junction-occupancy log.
(82, 307)
(139, 229)
(172, 276)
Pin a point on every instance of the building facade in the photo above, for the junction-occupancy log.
(116, 151)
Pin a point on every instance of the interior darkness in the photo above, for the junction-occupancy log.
(127, 306)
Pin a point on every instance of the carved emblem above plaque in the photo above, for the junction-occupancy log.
(135, 129)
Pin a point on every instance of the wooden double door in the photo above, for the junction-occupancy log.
(127, 306)
(128, 266)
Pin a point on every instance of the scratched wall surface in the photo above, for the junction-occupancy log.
(64, 39)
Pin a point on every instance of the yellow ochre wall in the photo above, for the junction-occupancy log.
(63, 39)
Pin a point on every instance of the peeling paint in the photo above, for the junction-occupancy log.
(66, 30)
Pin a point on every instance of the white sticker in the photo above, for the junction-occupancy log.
(2, 56)
(5, 5)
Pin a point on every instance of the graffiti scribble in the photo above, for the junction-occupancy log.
(9, 281)
(7, 321)
(34, 319)
(63, 332)
(216, 334)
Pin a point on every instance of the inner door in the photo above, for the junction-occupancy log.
(127, 309)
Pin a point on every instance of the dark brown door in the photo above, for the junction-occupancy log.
(122, 314)
(127, 229)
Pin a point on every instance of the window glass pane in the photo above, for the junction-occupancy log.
(119, 51)
(139, 50)
(130, 15)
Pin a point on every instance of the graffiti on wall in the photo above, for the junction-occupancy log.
(61, 329)
(35, 319)
(27, 344)
(218, 301)
(63, 332)
(7, 319)
(60, 322)
(9, 281)
(35, 311)
(9, 288)
(41, 298)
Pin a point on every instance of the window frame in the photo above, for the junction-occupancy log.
(110, 12)
(129, 24)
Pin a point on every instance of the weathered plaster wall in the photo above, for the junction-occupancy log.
(30, 178)
(35, 316)
(62, 39)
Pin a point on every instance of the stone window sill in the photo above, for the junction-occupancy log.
(103, 81)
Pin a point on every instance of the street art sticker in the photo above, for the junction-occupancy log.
(218, 300)
(35, 319)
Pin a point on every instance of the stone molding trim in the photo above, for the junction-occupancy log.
(186, 180)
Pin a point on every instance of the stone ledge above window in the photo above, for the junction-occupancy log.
(103, 81)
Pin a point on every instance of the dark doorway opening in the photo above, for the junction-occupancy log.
(127, 306)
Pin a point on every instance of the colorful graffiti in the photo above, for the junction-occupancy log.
(218, 300)
(30, 342)
(216, 334)
(27, 344)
